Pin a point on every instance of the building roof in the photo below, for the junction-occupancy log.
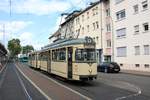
(57, 33)
(71, 16)
(92, 4)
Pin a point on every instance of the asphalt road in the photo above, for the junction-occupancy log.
(109, 86)
(13, 86)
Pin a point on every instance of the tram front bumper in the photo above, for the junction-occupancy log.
(87, 77)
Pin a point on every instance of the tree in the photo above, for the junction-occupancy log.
(14, 47)
(26, 49)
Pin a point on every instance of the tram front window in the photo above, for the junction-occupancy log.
(85, 55)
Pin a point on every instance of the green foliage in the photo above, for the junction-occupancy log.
(14, 47)
(26, 49)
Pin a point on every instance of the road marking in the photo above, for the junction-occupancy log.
(3, 68)
(131, 95)
(83, 96)
(138, 90)
(22, 84)
(3, 76)
(46, 96)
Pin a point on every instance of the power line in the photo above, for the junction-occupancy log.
(10, 7)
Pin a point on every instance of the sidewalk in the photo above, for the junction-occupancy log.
(141, 73)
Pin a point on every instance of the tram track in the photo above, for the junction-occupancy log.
(86, 88)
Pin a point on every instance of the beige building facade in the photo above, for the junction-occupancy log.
(88, 23)
(131, 19)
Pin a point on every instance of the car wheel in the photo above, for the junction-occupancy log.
(106, 70)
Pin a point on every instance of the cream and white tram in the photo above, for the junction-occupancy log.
(73, 59)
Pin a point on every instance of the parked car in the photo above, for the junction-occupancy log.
(108, 67)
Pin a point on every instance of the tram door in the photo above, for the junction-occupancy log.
(70, 50)
(49, 62)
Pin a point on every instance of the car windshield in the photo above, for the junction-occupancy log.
(85, 55)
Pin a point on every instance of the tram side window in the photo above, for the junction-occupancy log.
(44, 58)
(32, 57)
(54, 55)
(59, 55)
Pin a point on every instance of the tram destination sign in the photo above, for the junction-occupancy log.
(89, 43)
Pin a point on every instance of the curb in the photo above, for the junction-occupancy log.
(137, 74)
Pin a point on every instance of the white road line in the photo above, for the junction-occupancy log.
(3, 68)
(22, 84)
(83, 96)
(136, 89)
(131, 95)
(3, 76)
(46, 96)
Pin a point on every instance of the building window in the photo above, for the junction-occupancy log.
(136, 8)
(97, 24)
(118, 1)
(79, 31)
(77, 20)
(146, 49)
(121, 51)
(87, 15)
(88, 28)
(96, 10)
(145, 27)
(146, 65)
(137, 50)
(121, 14)
(121, 64)
(93, 11)
(82, 18)
(145, 5)
(93, 26)
(108, 43)
(121, 32)
(136, 29)
(137, 65)
(97, 38)
(108, 27)
(94, 39)
(82, 30)
(108, 12)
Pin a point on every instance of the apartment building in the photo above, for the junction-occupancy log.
(67, 27)
(88, 23)
(120, 29)
(131, 20)
(94, 21)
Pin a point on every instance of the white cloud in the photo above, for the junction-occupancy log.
(41, 7)
(37, 7)
(13, 26)
(27, 38)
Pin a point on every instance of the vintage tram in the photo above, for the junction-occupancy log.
(73, 59)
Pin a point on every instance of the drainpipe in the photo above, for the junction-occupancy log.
(102, 58)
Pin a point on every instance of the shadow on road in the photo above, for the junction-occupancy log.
(70, 82)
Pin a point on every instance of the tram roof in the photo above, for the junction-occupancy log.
(65, 42)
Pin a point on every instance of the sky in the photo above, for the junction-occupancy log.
(33, 21)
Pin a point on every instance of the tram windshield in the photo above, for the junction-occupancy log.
(85, 55)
